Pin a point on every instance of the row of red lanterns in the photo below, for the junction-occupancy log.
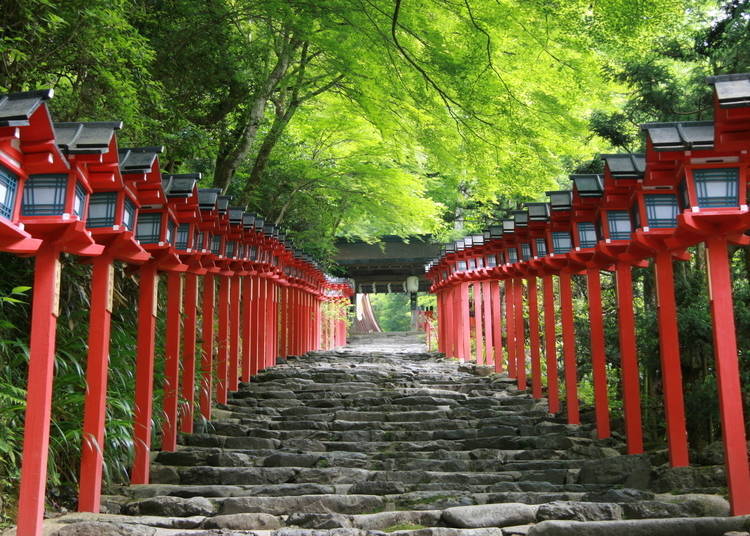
(689, 187)
(68, 187)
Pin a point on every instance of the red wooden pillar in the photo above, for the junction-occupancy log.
(728, 376)
(234, 333)
(520, 333)
(510, 328)
(465, 325)
(536, 365)
(550, 345)
(629, 359)
(260, 332)
(598, 357)
(39, 395)
(95, 404)
(497, 326)
(223, 343)
(207, 347)
(172, 361)
(273, 311)
(448, 323)
(440, 301)
(188, 352)
(255, 327)
(144, 372)
(569, 348)
(669, 350)
(478, 331)
(247, 290)
(282, 322)
(487, 311)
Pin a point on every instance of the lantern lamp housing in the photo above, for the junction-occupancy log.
(538, 211)
(588, 185)
(496, 231)
(560, 200)
(222, 203)
(509, 226)
(149, 227)
(182, 240)
(102, 210)
(207, 198)
(477, 240)
(8, 192)
(619, 226)
(248, 221)
(235, 216)
(520, 218)
(561, 242)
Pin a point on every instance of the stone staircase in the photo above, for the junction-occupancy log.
(383, 438)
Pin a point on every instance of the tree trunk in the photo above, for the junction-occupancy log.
(269, 142)
(227, 163)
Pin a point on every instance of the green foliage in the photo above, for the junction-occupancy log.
(392, 311)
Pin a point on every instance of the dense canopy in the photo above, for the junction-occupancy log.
(367, 117)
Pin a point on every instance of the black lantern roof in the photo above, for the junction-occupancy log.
(268, 229)
(179, 186)
(259, 223)
(459, 245)
(86, 138)
(588, 185)
(520, 218)
(207, 198)
(496, 231)
(477, 240)
(538, 211)
(468, 241)
(138, 159)
(450, 248)
(626, 165)
(680, 136)
(732, 90)
(509, 226)
(248, 221)
(486, 235)
(16, 108)
(560, 200)
(236, 215)
(222, 203)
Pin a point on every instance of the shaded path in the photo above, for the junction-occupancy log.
(382, 436)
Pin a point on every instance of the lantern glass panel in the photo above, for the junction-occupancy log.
(79, 200)
(525, 251)
(44, 195)
(541, 247)
(198, 239)
(661, 210)
(230, 249)
(8, 189)
(618, 223)
(461, 266)
(102, 209)
(717, 187)
(472, 264)
(148, 230)
(512, 255)
(253, 253)
(171, 231)
(216, 244)
(561, 242)
(128, 214)
(183, 233)
(490, 261)
(586, 234)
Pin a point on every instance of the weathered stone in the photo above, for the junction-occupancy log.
(384, 520)
(630, 471)
(707, 526)
(343, 504)
(619, 495)
(689, 478)
(98, 528)
(489, 515)
(579, 511)
(170, 506)
(319, 521)
(291, 460)
(254, 521)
